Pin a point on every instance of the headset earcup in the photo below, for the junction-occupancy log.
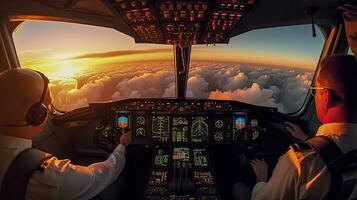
(37, 114)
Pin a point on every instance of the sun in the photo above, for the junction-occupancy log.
(66, 72)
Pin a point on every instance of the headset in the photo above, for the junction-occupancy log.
(37, 113)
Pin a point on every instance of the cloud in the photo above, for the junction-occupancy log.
(197, 87)
(152, 80)
(120, 53)
(253, 95)
(277, 87)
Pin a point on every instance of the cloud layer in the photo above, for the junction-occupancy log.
(279, 87)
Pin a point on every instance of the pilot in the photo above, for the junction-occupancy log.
(303, 174)
(20, 89)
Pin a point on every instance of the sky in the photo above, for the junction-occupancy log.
(61, 49)
(269, 67)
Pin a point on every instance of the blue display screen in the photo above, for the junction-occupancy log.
(122, 121)
(240, 123)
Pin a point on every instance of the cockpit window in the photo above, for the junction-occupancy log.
(268, 67)
(94, 64)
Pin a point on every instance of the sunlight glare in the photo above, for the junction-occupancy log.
(65, 72)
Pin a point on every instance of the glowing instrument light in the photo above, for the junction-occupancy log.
(123, 122)
(149, 19)
(240, 123)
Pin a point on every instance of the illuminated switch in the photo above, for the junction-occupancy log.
(171, 6)
(179, 6)
(133, 3)
(129, 15)
(148, 14)
(230, 23)
(192, 16)
(189, 7)
(176, 17)
(200, 15)
(197, 7)
(183, 14)
(143, 2)
(166, 15)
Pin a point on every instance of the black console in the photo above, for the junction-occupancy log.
(181, 173)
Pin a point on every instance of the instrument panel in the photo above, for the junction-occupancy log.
(181, 134)
(151, 128)
(183, 122)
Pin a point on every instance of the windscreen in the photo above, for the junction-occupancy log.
(94, 64)
(266, 67)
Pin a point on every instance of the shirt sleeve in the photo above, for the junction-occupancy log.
(63, 180)
(282, 184)
(297, 175)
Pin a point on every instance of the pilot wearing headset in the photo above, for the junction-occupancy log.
(25, 101)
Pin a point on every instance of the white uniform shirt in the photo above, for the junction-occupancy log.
(61, 179)
(304, 175)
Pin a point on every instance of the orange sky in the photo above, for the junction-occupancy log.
(64, 49)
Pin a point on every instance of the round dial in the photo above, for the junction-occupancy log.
(218, 137)
(254, 123)
(140, 120)
(140, 132)
(218, 124)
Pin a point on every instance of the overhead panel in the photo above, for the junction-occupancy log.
(184, 22)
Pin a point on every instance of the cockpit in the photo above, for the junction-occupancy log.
(202, 86)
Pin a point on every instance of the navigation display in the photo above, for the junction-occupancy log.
(160, 128)
(200, 158)
(161, 158)
(179, 129)
(199, 129)
(181, 154)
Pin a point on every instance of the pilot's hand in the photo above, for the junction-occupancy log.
(295, 131)
(260, 168)
(126, 139)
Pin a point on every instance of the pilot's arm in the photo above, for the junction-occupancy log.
(63, 180)
(297, 175)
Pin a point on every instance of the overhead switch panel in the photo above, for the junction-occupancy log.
(182, 22)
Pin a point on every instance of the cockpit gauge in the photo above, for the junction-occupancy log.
(181, 154)
(218, 137)
(254, 123)
(160, 128)
(199, 129)
(240, 122)
(179, 129)
(140, 120)
(122, 122)
(218, 124)
(140, 132)
(200, 157)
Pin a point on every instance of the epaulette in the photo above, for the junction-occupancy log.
(299, 147)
